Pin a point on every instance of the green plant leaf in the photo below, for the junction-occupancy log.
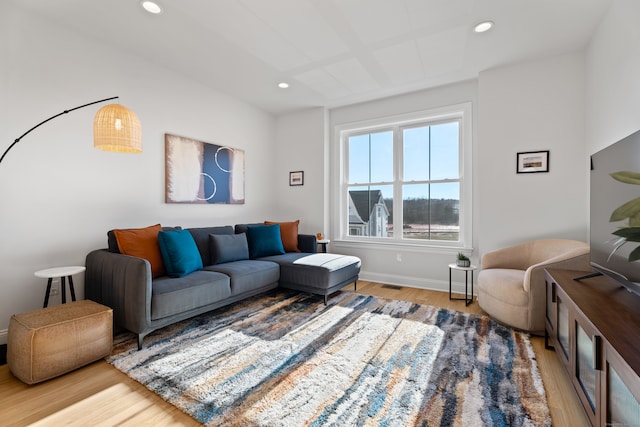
(635, 254)
(629, 209)
(631, 234)
(634, 221)
(627, 177)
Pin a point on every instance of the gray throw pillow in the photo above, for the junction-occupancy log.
(228, 247)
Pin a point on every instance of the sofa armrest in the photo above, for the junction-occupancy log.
(513, 257)
(123, 283)
(307, 243)
(577, 259)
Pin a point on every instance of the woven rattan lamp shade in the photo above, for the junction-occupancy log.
(116, 128)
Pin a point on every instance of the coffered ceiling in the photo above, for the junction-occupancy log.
(331, 52)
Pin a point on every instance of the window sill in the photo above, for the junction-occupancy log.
(426, 247)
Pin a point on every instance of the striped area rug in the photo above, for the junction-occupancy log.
(286, 359)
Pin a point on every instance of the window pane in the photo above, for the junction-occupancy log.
(370, 211)
(416, 153)
(371, 158)
(444, 151)
(415, 208)
(382, 157)
(445, 211)
(431, 211)
(359, 159)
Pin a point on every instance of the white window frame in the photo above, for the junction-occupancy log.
(340, 226)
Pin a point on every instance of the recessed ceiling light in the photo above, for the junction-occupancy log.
(151, 7)
(483, 26)
(283, 85)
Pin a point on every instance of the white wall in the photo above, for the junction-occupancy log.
(613, 77)
(410, 265)
(59, 196)
(302, 146)
(528, 107)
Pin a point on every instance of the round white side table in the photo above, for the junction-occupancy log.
(62, 273)
(323, 244)
(466, 270)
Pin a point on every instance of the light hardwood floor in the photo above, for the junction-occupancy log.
(99, 394)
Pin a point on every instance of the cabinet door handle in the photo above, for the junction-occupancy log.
(553, 292)
(597, 352)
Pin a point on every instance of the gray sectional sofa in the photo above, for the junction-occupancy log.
(229, 273)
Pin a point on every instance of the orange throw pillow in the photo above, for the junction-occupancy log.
(288, 234)
(142, 243)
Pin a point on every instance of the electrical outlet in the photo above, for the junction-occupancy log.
(55, 288)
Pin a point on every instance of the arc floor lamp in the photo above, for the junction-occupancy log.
(115, 128)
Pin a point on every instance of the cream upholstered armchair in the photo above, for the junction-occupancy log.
(511, 284)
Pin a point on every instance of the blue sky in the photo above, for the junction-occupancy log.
(417, 165)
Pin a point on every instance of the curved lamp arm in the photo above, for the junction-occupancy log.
(51, 118)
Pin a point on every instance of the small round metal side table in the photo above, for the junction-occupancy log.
(467, 300)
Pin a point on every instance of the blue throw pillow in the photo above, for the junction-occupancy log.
(179, 253)
(264, 240)
(228, 247)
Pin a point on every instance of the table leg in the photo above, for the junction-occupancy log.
(449, 283)
(471, 285)
(46, 295)
(73, 292)
(466, 288)
(63, 290)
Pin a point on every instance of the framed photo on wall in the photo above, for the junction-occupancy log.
(296, 178)
(533, 161)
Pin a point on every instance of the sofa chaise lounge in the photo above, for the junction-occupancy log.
(234, 266)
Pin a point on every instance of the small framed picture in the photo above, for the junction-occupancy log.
(296, 178)
(533, 161)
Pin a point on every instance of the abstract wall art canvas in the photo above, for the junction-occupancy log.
(200, 172)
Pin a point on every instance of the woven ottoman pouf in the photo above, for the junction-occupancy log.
(52, 341)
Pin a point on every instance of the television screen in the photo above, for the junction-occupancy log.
(615, 211)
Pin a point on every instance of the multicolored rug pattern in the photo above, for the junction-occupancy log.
(286, 359)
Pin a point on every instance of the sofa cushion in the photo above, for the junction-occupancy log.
(179, 253)
(288, 234)
(316, 272)
(201, 237)
(242, 228)
(112, 243)
(142, 243)
(248, 275)
(264, 240)
(228, 248)
(170, 296)
(504, 285)
(501, 294)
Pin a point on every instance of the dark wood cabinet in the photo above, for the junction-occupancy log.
(594, 326)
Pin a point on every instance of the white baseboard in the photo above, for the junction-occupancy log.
(414, 282)
(3, 336)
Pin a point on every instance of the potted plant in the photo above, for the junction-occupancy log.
(463, 260)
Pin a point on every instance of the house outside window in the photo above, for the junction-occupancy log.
(406, 179)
